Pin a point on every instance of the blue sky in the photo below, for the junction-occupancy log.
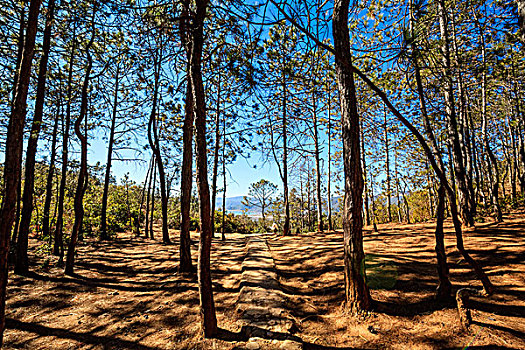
(241, 172)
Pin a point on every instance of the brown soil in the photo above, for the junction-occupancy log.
(402, 274)
(127, 295)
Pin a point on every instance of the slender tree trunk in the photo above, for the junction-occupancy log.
(494, 178)
(143, 195)
(317, 166)
(356, 291)
(387, 168)
(20, 51)
(20, 46)
(407, 206)
(223, 237)
(104, 235)
(82, 174)
(430, 194)
(396, 176)
(286, 226)
(207, 304)
(459, 168)
(329, 159)
(444, 288)
(374, 212)
(148, 181)
(365, 178)
(58, 244)
(302, 202)
(13, 153)
(155, 146)
(46, 232)
(152, 211)
(22, 262)
(216, 154)
(185, 265)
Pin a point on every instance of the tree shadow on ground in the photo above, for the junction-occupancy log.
(248, 332)
(86, 338)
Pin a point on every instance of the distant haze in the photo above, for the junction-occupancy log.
(234, 205)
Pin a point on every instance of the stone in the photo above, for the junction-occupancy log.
(290, 345)
(252, 345)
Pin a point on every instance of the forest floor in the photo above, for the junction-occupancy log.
(126, 293)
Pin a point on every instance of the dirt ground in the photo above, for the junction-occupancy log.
(127, 294)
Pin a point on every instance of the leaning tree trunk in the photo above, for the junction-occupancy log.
(82, 173)
(22, 262)
(357, 295)
(13, 153)
(207, 304)
(103, 216)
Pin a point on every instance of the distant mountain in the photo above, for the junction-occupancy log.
(234, 204)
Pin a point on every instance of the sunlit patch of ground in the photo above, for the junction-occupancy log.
(402, 275)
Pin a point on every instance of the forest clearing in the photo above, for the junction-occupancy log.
(126, 294)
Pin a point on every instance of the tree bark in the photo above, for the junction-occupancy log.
(185, 264)
(365, 179)
(207, 304)
(22, 263)
(104, 235)
(58, 244)
(223, 236)
(492, 167)
(152, 210)
(46, 232)
(317, 166)
(148, 184)
(13, 153)
(329, 180)
(142, 197)
(453, 137)
(82, 173)
(356, 291)
(286, 225)
(216, 154)
(155, 147)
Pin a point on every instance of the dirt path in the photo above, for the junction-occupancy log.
(127, 295)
